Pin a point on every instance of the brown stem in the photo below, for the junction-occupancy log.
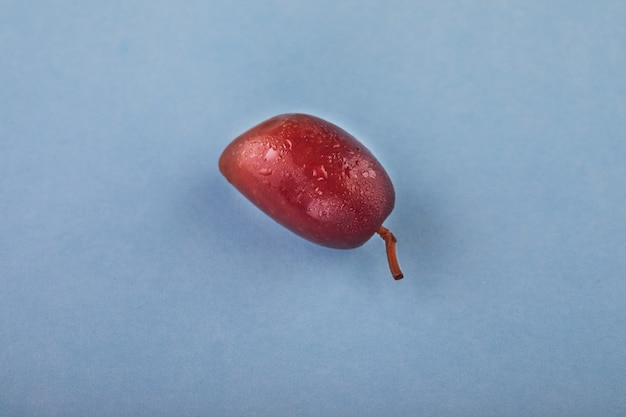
(390, 246)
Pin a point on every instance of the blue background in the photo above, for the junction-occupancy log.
(134, 280)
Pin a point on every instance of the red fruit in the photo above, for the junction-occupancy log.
(315, 179)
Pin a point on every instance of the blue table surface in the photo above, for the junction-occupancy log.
(134, 280)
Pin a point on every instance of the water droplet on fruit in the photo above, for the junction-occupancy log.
(265, 171)
(319, 172)
(271, 154)
(370, 173)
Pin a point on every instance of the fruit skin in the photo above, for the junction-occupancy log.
(312, 177)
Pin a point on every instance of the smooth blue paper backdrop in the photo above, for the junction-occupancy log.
(134, 280)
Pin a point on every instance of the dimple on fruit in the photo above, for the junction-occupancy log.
(315, 179)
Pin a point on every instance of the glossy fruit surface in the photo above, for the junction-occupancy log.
(313, 178)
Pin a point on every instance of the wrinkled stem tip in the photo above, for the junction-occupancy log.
(390, 246)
